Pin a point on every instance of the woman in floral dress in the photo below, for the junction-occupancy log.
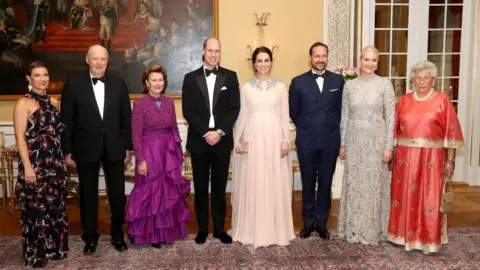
(41, 184)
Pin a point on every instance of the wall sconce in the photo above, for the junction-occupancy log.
(261, 24)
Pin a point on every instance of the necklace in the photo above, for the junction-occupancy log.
(425, 97)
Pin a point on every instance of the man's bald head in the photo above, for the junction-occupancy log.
(97, 49)
(97, 60)
(209, 40)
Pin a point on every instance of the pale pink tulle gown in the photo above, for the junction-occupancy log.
(262, 179)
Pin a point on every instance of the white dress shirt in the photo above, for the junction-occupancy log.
(210, 85)
(99, 91)
(319, 81)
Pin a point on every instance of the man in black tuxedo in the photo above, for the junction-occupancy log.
(315, 100)
(96, 111)
(211, 103)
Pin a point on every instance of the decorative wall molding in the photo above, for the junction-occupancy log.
(338, 31)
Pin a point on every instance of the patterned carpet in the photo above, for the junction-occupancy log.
(463, 252)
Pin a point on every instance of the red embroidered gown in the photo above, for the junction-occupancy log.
(423, 129)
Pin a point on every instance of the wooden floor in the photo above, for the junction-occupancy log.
(466, 213)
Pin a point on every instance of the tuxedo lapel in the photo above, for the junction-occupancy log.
(312, 86)
(219, 81)
(202, 84)
(91, 95)
(326, 88)
(108, 97)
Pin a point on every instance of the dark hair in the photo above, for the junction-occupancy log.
(205, 43)
(317, 44)
(133, 52)
(154, 69)
(261, 50)
(34, 65)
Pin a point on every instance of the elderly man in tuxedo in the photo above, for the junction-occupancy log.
(211, 103)
(96, 111)
(315, 100)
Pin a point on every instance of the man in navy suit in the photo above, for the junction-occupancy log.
(315, 100)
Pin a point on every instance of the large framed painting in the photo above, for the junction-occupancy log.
(135, 32)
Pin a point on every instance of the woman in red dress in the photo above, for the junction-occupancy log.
(427, 132)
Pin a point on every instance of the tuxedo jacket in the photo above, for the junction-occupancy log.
(196, 108)
(316, 114)
(87, 134)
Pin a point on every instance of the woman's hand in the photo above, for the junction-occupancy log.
(342, 153)
(142, 168)
(387, 155)
(449, 167)
(284, 149)
(239, 148)
(30, 175)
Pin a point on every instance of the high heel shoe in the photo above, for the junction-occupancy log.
(157, 245)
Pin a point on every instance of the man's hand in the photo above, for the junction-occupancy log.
(69, 161)
(343, 153)
(212, 137)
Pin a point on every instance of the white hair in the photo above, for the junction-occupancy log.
(93, 46)
(421, 66)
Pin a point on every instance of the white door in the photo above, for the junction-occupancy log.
(441, 31)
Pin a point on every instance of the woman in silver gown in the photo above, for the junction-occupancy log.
(368, 112)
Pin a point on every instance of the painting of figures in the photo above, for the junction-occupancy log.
(135, 32)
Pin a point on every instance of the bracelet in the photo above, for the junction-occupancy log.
(448, 165)
(451, 158)
(285, 141)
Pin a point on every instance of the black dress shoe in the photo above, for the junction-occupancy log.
(58, 257)
(201, 237)
(90, 248)
(224, 237)
(40, 264)
(306, 232)
(323, 232)
(157, 245)
(120, 246)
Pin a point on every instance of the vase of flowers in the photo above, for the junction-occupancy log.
(348, 73)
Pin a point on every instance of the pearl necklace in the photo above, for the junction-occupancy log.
(425, 97)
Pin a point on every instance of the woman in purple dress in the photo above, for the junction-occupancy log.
(157, 210)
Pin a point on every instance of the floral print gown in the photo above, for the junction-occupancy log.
(44, 213)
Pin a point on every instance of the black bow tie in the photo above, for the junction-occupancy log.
(95, 80)
(210, 71)
(315, 75)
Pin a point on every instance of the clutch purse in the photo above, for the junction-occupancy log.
(244, 146)
(446, 205)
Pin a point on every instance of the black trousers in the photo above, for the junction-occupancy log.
(215, 163)
(317, 167)
(88, 173)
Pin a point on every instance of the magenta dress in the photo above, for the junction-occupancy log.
(157, 210)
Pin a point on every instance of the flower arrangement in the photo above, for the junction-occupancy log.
(348, 73)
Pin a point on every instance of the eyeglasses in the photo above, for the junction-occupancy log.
(423, 79)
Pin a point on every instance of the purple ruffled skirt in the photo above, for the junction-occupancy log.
(157, 210)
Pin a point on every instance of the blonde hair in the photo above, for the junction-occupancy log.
(369, 48)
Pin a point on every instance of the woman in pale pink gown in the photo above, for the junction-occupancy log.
(262, 185)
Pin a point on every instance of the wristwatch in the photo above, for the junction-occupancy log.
(220, 132)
